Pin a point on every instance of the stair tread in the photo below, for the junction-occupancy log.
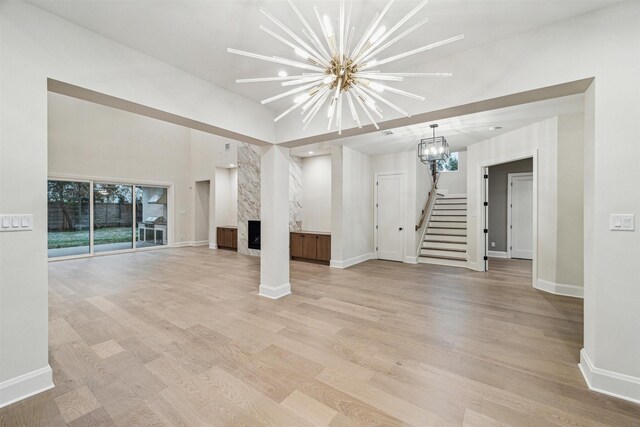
(446, 220)
(443, 249)
(449, 228)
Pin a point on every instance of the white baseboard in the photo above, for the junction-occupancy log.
(190, 243)
(351, 261)
(411, 259)
(608, 382)
(275, 292)
(200, 243)
(497, 254)
(213, 246)
(26, 385)
(560, 288)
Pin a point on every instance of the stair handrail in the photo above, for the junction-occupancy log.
(430, 197)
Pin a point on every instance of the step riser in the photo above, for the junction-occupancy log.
(445, 246)
(451, 208)
(441, 231)
(449, 254)
(449, 218)
(436, 238)
(440, 224)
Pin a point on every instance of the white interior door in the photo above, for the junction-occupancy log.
(389, 217)
(521, 215)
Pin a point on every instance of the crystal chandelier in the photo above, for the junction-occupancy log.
(339, 71)
(434, 149)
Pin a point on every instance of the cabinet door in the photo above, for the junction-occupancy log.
(220, 237)
(295, 245)
(309, 250)
(234, 238)
(323, 245)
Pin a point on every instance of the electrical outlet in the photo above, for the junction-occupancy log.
(493, 244)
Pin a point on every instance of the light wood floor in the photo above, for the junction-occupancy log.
(179, 337)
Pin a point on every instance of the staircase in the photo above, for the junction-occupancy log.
(445, 240)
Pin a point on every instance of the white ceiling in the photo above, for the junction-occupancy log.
(193, 35)
(460, 132)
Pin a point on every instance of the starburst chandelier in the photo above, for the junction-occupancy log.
(339, 71)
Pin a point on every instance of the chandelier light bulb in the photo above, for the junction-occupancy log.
(340, 64)
(441, 150)
(433, 150)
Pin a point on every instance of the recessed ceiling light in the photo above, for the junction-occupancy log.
(495, 128)
(282, 73)
(231, 165)
(310, 152)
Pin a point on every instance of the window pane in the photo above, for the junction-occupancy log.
(151, 213)
(68, 218)
(112, 217)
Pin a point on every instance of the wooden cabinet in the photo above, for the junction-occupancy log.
(306, 246)
(227, 238)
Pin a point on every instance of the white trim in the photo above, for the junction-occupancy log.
(274, 292)
(213, 246)
(182, 244)
(200, 243)
(411, 259)
(510, 177)
(351, 261)
(452, 196)
(559, 288)
(403, 178)
(608, 382)
(497, 254)
(26, 385)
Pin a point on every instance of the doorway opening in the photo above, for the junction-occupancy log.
(201, 218)
(510, 216)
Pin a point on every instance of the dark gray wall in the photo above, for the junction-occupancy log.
(498, 194)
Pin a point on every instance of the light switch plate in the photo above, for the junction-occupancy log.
(622, 222)
(17, 222)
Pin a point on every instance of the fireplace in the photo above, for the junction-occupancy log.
(254, 234)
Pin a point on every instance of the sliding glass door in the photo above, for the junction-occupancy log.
(69, 222)
(112, 217)
(151, 216)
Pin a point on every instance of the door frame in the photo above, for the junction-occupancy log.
(403, 179)
(510, 177)
(484, 198)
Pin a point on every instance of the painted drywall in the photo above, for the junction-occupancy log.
(498, 195)
(570, 265)
(316, 193)
(201, 211)
(226, 204)
(351, 207)
(405, 164)
(455, 182)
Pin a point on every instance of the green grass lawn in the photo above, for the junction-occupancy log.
(70, 239)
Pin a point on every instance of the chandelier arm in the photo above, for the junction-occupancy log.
(350, 40)
(324, 32)
(269, 79)
(384, 100)
(311, 34)
(373, 52)
(318, 103)
(401, 92)
(398, 25)
(414, 51)
(291, 92)
(420, 74)
(303, 80)
(341, 19)
(312, 114)
(372, 104)
(317, 59)
(339, 120)
(364, 108)
(367, 43)
(378, 77)
(317, 44)
(276, 60)
(315, 98)
(354, 113)
(289, 32)
(290, 109)
(363, 39)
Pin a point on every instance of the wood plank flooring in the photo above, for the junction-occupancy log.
(179, 337)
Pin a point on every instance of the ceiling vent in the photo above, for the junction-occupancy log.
(387, 132)
(227, 146)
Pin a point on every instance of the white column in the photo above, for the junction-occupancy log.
(274, 217)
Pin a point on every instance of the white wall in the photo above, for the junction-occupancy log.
(455, 182)
(226, 199)
(316, 193)
(406, 164)
(351, 207)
